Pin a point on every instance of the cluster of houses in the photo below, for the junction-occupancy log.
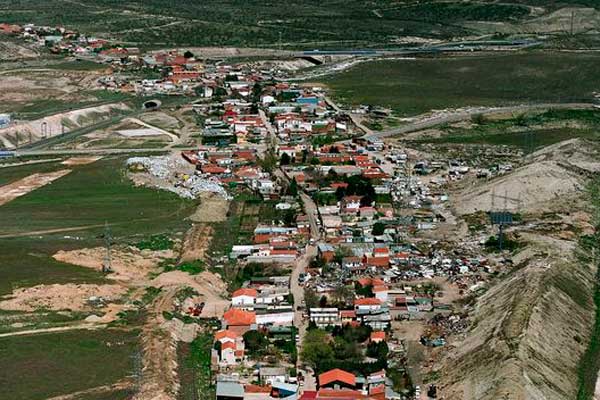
(335, 384)
(61, 40)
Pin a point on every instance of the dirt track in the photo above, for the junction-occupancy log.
(28, 184)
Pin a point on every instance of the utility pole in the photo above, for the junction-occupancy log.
(572, 22)
(279, 41)
(107, 264)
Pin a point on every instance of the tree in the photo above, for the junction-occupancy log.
(310, 298)
(304, 156)
(255, 342)
(366, 291)
(378, 229)
(285, 159)
(323, 301)
(316, 348)
(188, 54)
(341, 294)
(268, 162)
(293, 188)
(378, 350)
(340, 192)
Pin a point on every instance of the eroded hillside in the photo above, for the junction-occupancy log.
(531, 329)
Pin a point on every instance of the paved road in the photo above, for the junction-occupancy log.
(23, 153)
(355, 119)
(299, 322)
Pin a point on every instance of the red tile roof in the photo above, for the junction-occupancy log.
(368, 301)
(245, 292)
(226, 333)
(337, 375)
(236, 317)
(228, 345)
(250, 388)
(378, 335)
(344, 394)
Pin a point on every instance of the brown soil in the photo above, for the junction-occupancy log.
(80, 160)
(210, 286)
(129, 265)
(56, 297)
(159, 380)
(30, 183)
(212, 208)
(197, 240)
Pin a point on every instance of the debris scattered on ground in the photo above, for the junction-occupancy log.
(166, 169)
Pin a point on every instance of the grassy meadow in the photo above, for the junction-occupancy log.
(415, 86)
(46, 365)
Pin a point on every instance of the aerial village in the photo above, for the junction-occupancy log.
(347, 261)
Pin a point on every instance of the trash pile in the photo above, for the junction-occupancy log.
(160, 167)
(166, 169)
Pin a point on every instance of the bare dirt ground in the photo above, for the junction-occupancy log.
(210, 286)
(129, 264)
(159, 380)
(549, 179)
(212, 208)
(28, 184)
(56, 297)
(11, 51)
(80, 160)
(196, 242)
(132, 269)
(21, 86)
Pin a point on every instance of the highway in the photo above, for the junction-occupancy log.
(61, 152)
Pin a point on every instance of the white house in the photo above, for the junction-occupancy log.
(367, 304)
(244, 297)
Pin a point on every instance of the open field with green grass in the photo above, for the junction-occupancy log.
(86, 198)
(28, 262)
(47, 365)
(92, 195)
(527, 131)
(413, 87)
(14, 173)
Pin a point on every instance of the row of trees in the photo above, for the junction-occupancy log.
(342, 348)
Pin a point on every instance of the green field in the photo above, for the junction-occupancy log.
(92, 195)
(528, 132)
(46, 365)
(412, 87)
(88, 197)
(28, 262)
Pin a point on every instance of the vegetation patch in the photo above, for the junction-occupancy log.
(48, 365)
(413, 87)
(156, 242)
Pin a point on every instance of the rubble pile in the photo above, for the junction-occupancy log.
(186, 186)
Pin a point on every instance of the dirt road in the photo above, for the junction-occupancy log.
(88, 326)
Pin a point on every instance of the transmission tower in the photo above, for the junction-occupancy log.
(503, 217)
(107, 264)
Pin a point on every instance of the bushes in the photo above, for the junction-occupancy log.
(156, 243)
